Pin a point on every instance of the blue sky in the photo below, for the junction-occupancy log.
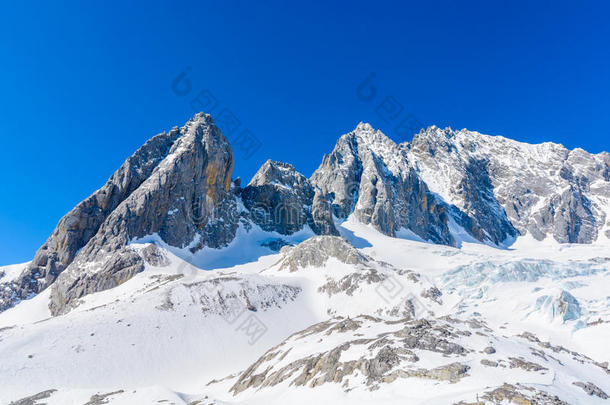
(84, 84)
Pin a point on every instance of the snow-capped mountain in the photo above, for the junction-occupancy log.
(458, 268)
(544, 190)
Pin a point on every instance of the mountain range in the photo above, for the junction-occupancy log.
(457, 268)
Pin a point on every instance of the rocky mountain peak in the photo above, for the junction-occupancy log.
(367, 175)
(176, 185)
(375, 141)
(364, 127)
(278, 173)
(366, 134)
(434, 137)
(199, 120)
(281, 199)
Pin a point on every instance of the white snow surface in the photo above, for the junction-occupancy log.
(11, 272)
(170, 330)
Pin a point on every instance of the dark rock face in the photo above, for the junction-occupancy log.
(572, 217)
(487, 219)
(281, 199)
(322, 222)
(338, 177)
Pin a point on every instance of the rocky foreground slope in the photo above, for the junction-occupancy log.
(382, 277)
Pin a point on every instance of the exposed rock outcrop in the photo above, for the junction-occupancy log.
(366, 353)
(516, 394)
(317, 250)
(230, 296)
(33, 399)
(363, 351)
(591, 389)
(154, 256)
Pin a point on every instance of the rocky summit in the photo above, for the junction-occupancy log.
(456, 268)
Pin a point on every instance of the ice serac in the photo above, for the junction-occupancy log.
(78, 226)
(186, 200)
(367, 174)
(281, 199)
(544, 189)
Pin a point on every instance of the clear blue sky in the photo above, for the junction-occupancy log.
(84, 84)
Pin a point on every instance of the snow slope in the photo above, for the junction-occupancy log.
(171, 330)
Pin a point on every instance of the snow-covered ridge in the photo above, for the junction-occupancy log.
(545, 189)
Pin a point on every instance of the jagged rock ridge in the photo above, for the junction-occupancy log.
(369, 175)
